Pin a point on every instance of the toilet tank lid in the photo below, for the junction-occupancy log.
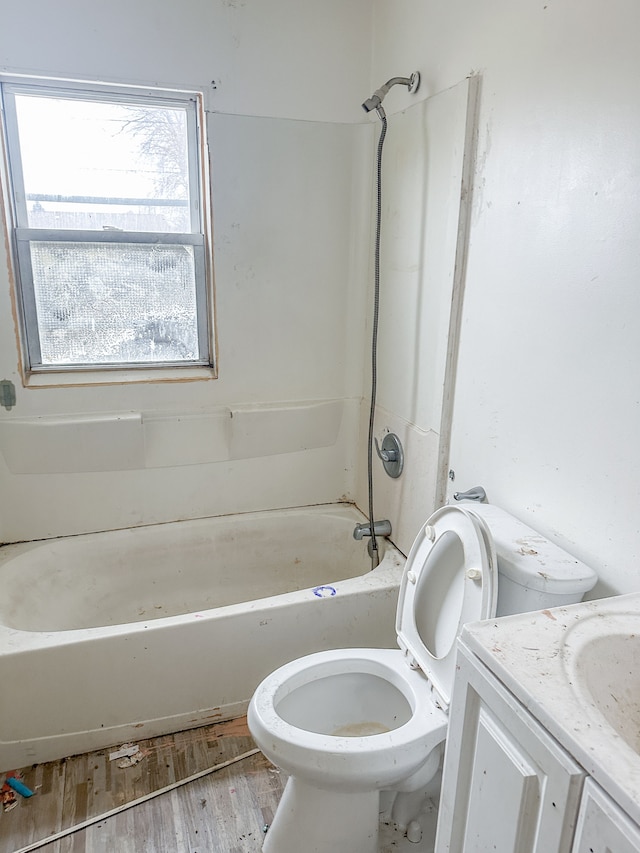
(530, 559)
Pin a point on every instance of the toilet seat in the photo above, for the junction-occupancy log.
(450, 578)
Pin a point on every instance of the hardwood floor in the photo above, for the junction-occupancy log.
(223, 812)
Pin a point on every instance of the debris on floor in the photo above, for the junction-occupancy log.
(9, 799)
(124, 751)
(18, 785)
(131, 760)
(130, 753)
(12, 784)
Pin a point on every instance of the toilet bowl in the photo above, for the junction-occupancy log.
(346, 724)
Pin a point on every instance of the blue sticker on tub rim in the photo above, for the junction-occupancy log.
(325, 591)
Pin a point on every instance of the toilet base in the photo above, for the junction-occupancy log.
(393, 839)
(319, 821)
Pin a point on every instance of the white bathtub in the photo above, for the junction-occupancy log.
(110, 637)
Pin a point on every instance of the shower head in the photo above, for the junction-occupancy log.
(375, 101)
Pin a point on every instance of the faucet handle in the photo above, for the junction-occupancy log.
(387, 454)
(391, 454)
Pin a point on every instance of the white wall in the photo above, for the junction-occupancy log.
(287, 58)
(547, 402)
(289, 173)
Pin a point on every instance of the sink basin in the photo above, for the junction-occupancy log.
(602, 659)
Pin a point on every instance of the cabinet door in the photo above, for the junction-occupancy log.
(508, 787)
(602, 825)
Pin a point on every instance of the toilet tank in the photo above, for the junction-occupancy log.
(533, 573)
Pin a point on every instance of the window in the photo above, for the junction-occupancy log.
(107, 196)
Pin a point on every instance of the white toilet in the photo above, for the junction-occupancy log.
(347, 724)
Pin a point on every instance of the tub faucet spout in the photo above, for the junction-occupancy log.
(380, 528)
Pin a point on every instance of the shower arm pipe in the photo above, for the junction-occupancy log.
(375, 101)
(395, 81)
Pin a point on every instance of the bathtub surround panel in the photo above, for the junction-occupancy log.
(408, 500)
(428, 153)
(243, 432)
(285, 429)
(119, 442)
(189, 438)
(422, 194)
(189, 473)
(68, 444)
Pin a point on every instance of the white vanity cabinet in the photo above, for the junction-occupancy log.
(602, 825)
(531, 764)
(507, 786)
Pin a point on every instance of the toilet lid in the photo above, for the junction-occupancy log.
(450, 578)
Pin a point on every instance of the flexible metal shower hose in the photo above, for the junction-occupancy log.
(374, 340)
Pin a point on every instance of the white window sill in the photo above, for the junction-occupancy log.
(78, 378)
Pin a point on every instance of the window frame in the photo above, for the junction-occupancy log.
(22, 235)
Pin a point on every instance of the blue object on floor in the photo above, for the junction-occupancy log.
(19, 787)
